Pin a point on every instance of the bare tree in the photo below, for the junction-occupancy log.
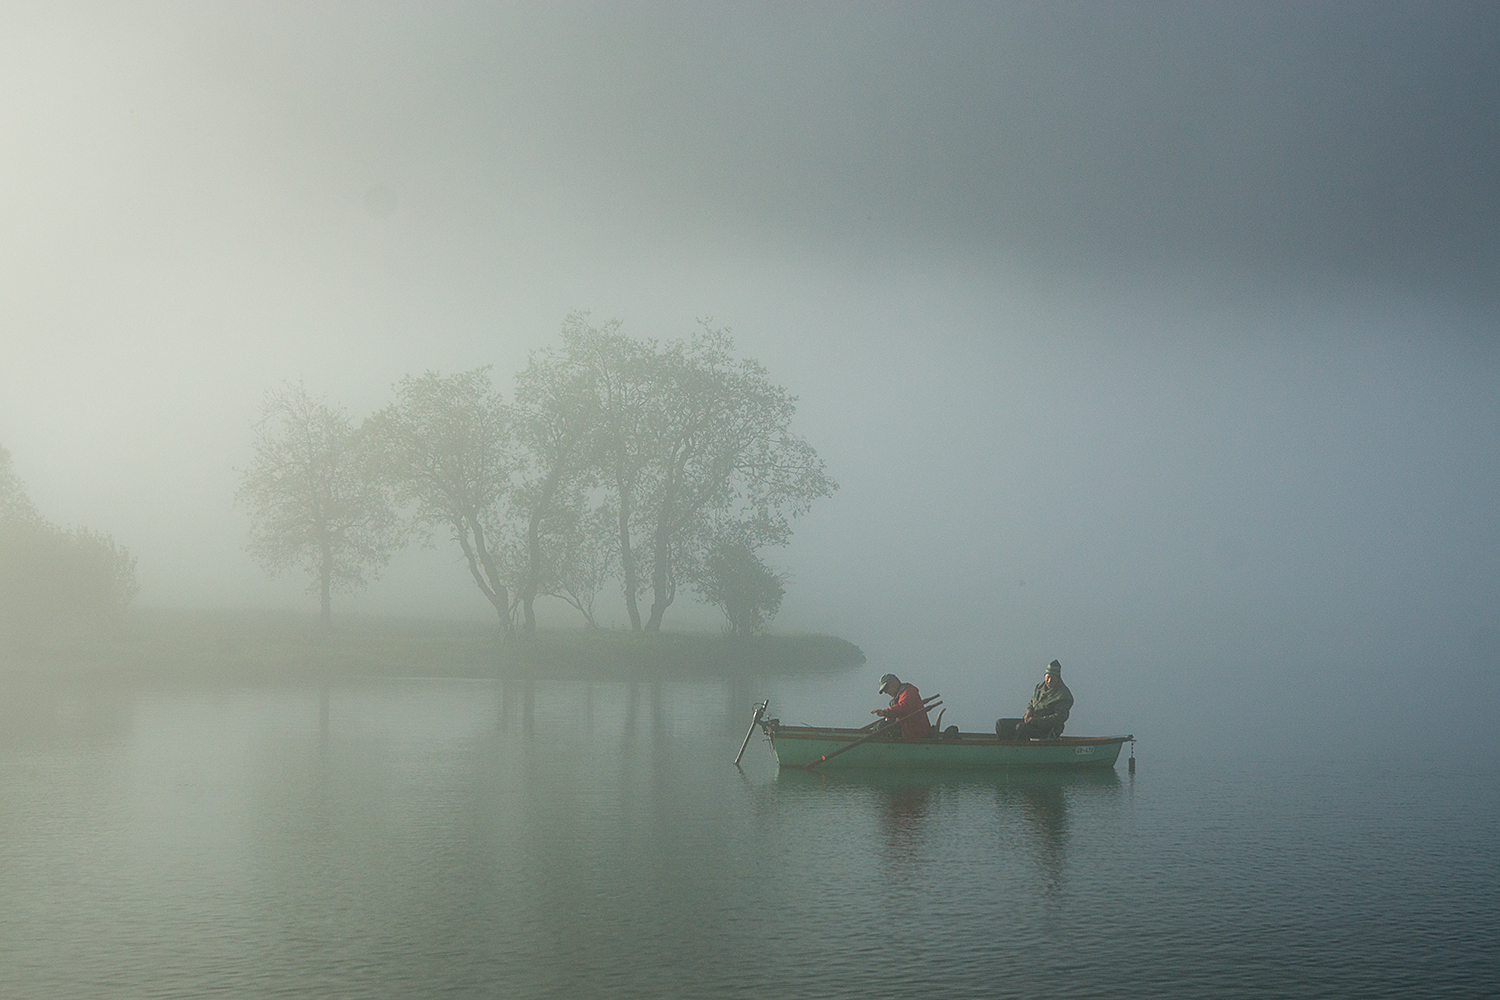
(316, 499)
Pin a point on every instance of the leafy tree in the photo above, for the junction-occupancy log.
(743, 587)
(556, 415)
(691, 443)
(447, 442)
(316, 498)
(621, 381)
(723, 457)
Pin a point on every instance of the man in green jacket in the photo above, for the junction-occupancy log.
(1047, 710)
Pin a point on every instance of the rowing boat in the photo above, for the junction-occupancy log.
(832, 748)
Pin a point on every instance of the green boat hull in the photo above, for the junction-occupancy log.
(810, 746)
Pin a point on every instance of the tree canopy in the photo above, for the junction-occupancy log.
(316, 497)
(556, 413)
(448, 446)
(660, 464)
(693, 447)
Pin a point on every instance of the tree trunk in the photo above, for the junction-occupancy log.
(325, 586)
(660, 595)
(533, 572)
(488, 581)
(528, 595)
(627, 565)
(534, 548)
(499, 595)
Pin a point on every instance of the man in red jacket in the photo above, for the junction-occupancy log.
(906, 705)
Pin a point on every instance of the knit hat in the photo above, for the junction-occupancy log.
(1055, 669)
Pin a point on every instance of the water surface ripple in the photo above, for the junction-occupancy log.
(464, 838)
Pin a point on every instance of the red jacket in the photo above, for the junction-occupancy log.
(915, 726)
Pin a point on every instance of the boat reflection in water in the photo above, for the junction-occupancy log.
(922, 812)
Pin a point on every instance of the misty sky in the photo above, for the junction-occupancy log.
(1149, 336)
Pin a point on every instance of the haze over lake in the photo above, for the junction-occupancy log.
(441, 838)
(1159, 339)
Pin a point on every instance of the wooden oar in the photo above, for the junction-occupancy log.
(759, 711)
(864, 739)
(929, 698)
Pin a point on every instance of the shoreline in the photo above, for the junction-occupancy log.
(253, 646)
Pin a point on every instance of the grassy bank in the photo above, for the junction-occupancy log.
(247, 646)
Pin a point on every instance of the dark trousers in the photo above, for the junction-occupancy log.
(1038, 731)
(1015, 729)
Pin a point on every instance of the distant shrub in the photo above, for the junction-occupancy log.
(53, 579)
(742, 586)
(15, 505)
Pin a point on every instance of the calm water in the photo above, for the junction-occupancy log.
(466, 839)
